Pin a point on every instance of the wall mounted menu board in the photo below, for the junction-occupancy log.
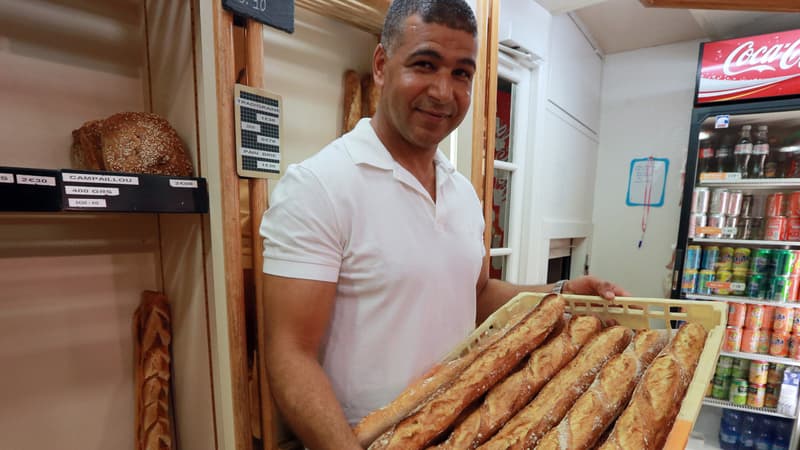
(275, 13)
(258, 132)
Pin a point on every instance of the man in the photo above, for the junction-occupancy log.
(373, 247)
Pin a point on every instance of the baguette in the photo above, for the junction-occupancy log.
(491, 366)
(597, 408)
(647, 420)
(508, 397)
(352, 100)
(378, 421)
(152, 361)
(525, 429)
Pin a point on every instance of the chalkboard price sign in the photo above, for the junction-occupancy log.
(275, 13)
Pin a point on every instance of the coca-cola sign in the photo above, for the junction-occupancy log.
(748, 68)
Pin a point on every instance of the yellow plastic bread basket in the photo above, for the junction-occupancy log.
(635, 313)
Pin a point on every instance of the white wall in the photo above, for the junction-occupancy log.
(645, 110)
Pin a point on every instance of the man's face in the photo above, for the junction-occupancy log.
(426, 81)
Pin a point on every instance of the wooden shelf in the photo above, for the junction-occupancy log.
(41, 190)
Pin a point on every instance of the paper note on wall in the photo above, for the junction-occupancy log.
(647, 182)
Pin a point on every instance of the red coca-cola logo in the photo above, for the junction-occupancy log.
(754, 67)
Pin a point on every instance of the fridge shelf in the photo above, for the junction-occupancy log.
(746, 242)
(753, 183)
(728, 405)
(762, 357)
(732, 299)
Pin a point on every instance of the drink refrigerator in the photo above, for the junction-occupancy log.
(739, 234)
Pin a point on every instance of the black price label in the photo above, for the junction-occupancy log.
(275, 13)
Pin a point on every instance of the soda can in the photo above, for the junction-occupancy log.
(771, 394)
(775, 373)
(775, 229)
(755, 317)
(755, 395)
(764, 340)
(689, 281)
(796, 325)
(775, 204)
(705, 277)
(794, 347)
(715, 222)
(758, 372)
(779, 344)
(779, 288)
(759, 205)
(783, 319)
(721, 387)
(796, 268)
(710, 256)
(741, 368)
(700, 200)
(739, 282)
(759, 260)
(738, 392)
(709, 389)
(697, 221)
(725, 259)
(794, 204)
(747, 206)
(719, 201)
(724, 366)
(782, 262)
(756, 287)
(729, 230)
(741, 258)
(769, 316)
(736, 314)
(722, 280)
(793, 229)
(733, 339)
(794, 285)
(734, 203)
(750, 341)
(693, 257)
(749, 228)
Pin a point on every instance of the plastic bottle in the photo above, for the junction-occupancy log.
(724, 155)
(760, 151)
(729, 430)
(743, 151)
(747, 437)
(781, 436)
(765, 432)
(706, 160)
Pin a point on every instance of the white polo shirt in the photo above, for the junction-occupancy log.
(405, 267)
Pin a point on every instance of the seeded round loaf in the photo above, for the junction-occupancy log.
(86, 148)
(140, 142)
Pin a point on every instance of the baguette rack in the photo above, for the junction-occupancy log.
(635, 313)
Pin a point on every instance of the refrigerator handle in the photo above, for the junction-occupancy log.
(676, 273)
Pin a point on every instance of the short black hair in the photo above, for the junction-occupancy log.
(455, 14)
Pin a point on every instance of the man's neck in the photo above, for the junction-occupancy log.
(418, 161)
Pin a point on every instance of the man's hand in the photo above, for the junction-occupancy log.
(589, 285)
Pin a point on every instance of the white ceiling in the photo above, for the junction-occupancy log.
(623, 25)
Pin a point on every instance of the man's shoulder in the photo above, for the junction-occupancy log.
(332, 159)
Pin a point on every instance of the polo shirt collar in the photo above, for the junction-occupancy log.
(366, 148)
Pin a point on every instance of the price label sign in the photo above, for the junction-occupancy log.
(275, 13)
(258, 133)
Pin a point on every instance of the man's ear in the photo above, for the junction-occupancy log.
(378, 65)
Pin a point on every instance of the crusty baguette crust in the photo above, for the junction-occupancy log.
(370, 94)
(597, 408)
(352, 100)
(440, 376)
(548, 408)
(647, 420)
(511, 395)
(152, 336)
(491, 366)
